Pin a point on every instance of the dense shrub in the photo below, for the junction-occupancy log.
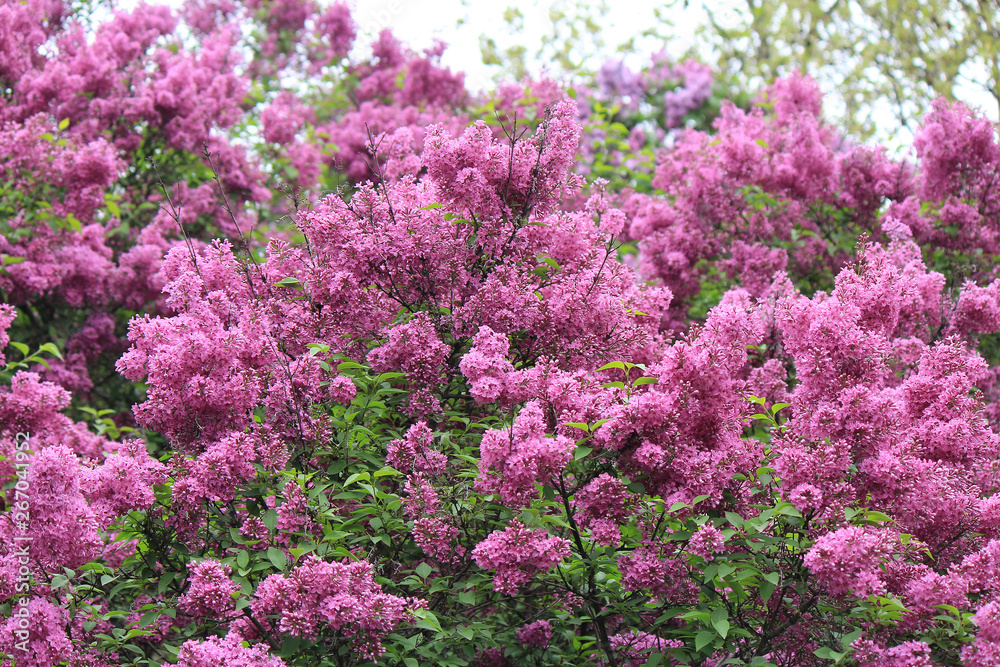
(422, 377)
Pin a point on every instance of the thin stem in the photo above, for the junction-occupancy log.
(175, 213)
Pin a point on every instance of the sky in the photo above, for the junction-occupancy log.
(460, 23)
(420, 22)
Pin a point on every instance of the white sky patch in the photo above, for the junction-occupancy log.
(461, 23)
(420, 22)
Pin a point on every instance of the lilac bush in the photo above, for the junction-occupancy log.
(372, 370)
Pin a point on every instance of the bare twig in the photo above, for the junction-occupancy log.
(232, 216)
(175, 213)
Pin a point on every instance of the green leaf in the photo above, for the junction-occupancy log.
(703, 639)
(424, 570)
(64, 123)
(613, 364)
(426, 619)
(581, 452)
(645, 380)
(277, 557)
(787, 509)
(765, 590)
(850, 638)
(164, 582)
(720, 621)
(827, 653)
(888, 603)
(149, 617)
(50, 348)
(243, 559)
(363, 476)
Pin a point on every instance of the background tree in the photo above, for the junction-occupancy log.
(873, 58)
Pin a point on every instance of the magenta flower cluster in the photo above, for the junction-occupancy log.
(446, 397)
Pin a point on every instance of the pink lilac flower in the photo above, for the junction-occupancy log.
(7, 316)
(210, 590)
(340, 596)
(537, 634)
(603, 505)
(294, 515)
(214, 651)
(514, 461)
(415, 348)
(421, 498)
(254, 528)
(486, 364)
(415, 452)
(679, 443)
(518, 554)
(634, 647)
(665, 578)
(907, 654)
(986, 648)
(475, 172)
(846, 561)
(124, 482)
(210, 393)
(706, 542)
(977, 310)
(336, 32)
(63, 527)
(342, 389)
(436, 538)
(47, 641)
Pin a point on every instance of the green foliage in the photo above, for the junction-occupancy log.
(28, 358)
(866, 53)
